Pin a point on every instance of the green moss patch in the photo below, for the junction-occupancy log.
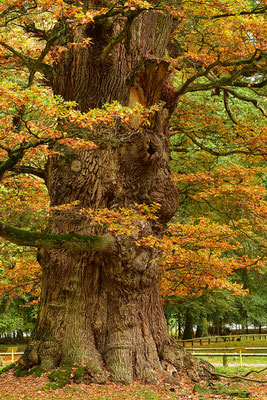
(61, 377)
(221, 390)
(79, 374)
(50, 386)
(37, 371)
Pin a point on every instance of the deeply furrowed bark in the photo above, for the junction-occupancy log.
(104, 310)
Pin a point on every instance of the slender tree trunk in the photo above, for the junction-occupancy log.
(189, 321)
(202, 327)
(104, 310)
(179, 326)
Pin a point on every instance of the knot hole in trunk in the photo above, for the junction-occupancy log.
(151, 150)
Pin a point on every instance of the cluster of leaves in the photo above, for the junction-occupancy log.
(122, 221)
(29, 122)
(197, 257)
(20, 273)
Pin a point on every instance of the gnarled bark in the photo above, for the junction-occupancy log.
(104, 310)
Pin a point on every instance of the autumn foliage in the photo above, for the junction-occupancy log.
(216, 63)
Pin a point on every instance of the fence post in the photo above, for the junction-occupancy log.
(225, 361)
(240, 357)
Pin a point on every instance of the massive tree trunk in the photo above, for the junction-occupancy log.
(98, 309)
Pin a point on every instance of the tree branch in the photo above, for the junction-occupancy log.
(246, 65)
(70, 241)
(30, 27)
(107, 50)
(245, 98)
(16, 155)
(251, 85)
(28, 61)
(214, 152)
(256, 10)
(25, 59)
(227, 108)
(32, 64)
(19, 11)
(254, 371)
(12, 160)
(44, 52)
(25, 169)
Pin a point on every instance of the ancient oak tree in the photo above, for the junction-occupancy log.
(100, 303)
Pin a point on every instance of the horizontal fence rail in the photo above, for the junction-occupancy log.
(203, 349)
(226, 354)
(229, 338)
(195, 352)
(12, 354)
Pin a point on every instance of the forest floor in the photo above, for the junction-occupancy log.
(29, 388)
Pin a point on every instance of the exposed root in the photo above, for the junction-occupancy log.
(254, 372)
(176, 360)
(30, 357)
(239, 377)
(47, 354)
(93, 373)
(50, 353)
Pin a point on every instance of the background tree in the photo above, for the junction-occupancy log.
(127, 54)
(17, 319)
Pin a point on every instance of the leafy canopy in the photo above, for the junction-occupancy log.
(217, 78)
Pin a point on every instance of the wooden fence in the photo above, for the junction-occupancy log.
(195, 351)
(7, 356)
(220, 339)
(237, 352)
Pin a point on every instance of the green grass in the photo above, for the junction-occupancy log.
(235, 359)
(237, 370)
